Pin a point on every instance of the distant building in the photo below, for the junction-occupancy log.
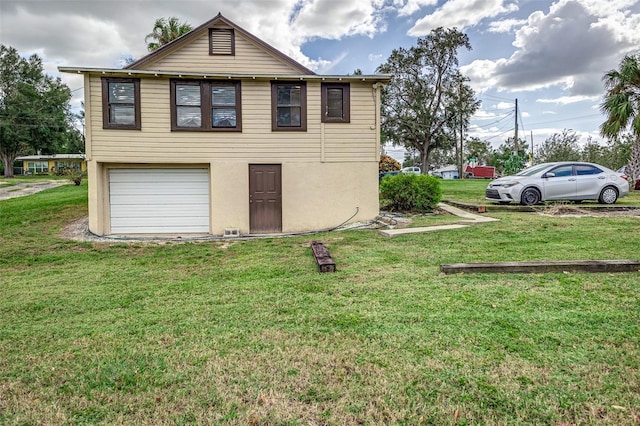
(447, 172)
(49, 164)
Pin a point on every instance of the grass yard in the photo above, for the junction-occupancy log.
(248, 332)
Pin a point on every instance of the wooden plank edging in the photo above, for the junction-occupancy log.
(543, 267)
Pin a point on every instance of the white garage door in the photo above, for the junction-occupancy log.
(159, 201)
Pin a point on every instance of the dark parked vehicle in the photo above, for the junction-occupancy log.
(383, 174)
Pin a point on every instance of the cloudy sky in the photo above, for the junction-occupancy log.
(550, 55)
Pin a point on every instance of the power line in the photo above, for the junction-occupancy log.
(567, 119)
(498, 98)
(504, 117)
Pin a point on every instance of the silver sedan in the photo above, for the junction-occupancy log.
(574, 181)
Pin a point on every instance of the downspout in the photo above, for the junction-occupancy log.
(322, 140)
(376, 100)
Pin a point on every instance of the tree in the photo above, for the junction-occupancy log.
(427, 93)
(34, 109)
(463, 106)
(618, 151)
(165, 31)
(621, 106)
(507, 160)
(478, 149)
(559, 147)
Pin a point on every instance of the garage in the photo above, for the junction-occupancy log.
(159, 201)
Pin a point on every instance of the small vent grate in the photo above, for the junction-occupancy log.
(221, 42)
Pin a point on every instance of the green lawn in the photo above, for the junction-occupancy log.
(248, 332)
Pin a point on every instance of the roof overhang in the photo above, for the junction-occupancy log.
(111, 72)
(52, 157)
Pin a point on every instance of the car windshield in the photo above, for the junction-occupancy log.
(533, 170)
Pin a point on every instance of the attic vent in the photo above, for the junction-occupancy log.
(221, 42)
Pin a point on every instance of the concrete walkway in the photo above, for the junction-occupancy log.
(22, 189)
(468, 219)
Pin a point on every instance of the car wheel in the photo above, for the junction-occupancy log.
(530, 197)
(609, 195)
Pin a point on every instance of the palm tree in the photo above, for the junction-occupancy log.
(165, 31)
(621, 105)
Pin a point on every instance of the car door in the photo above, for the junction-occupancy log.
(560, 183)
(589, 181)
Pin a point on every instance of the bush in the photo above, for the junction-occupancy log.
(74, 176)
(410, 193)
(388, 164)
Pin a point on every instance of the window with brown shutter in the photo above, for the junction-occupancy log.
(222, 41)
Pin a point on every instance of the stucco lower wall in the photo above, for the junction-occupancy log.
(96, 185)
(320, 196)
(315, 196)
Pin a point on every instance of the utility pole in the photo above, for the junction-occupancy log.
(515, 141)
(532, 147)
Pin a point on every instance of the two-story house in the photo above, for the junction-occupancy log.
(219, 130)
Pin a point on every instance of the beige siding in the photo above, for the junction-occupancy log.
(156, 143)
(195, 57)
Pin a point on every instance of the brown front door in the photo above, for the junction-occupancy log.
(265, 198)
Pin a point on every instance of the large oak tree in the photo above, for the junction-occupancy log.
(428, 100)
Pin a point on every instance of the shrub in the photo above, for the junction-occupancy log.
(410, 193)
(388, 164)
(74, 176)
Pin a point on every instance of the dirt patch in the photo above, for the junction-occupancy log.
(575, 211)
(78, 230)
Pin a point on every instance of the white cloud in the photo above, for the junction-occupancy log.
(506, 25)
(409, 7)
(565, 100)
(482, 73)
(327, 66)
(332, 19)
(570, 47)
(97, 33)
(461, 14)
(482, 114)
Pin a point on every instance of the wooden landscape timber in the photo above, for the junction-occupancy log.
(543, 267)
(323, 258)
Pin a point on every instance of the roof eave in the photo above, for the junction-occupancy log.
(231, 76)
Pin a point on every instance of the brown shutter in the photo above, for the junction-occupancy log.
(221, 42)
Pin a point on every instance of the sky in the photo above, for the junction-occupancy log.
(549, 55)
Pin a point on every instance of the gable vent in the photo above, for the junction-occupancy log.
(221, 42)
